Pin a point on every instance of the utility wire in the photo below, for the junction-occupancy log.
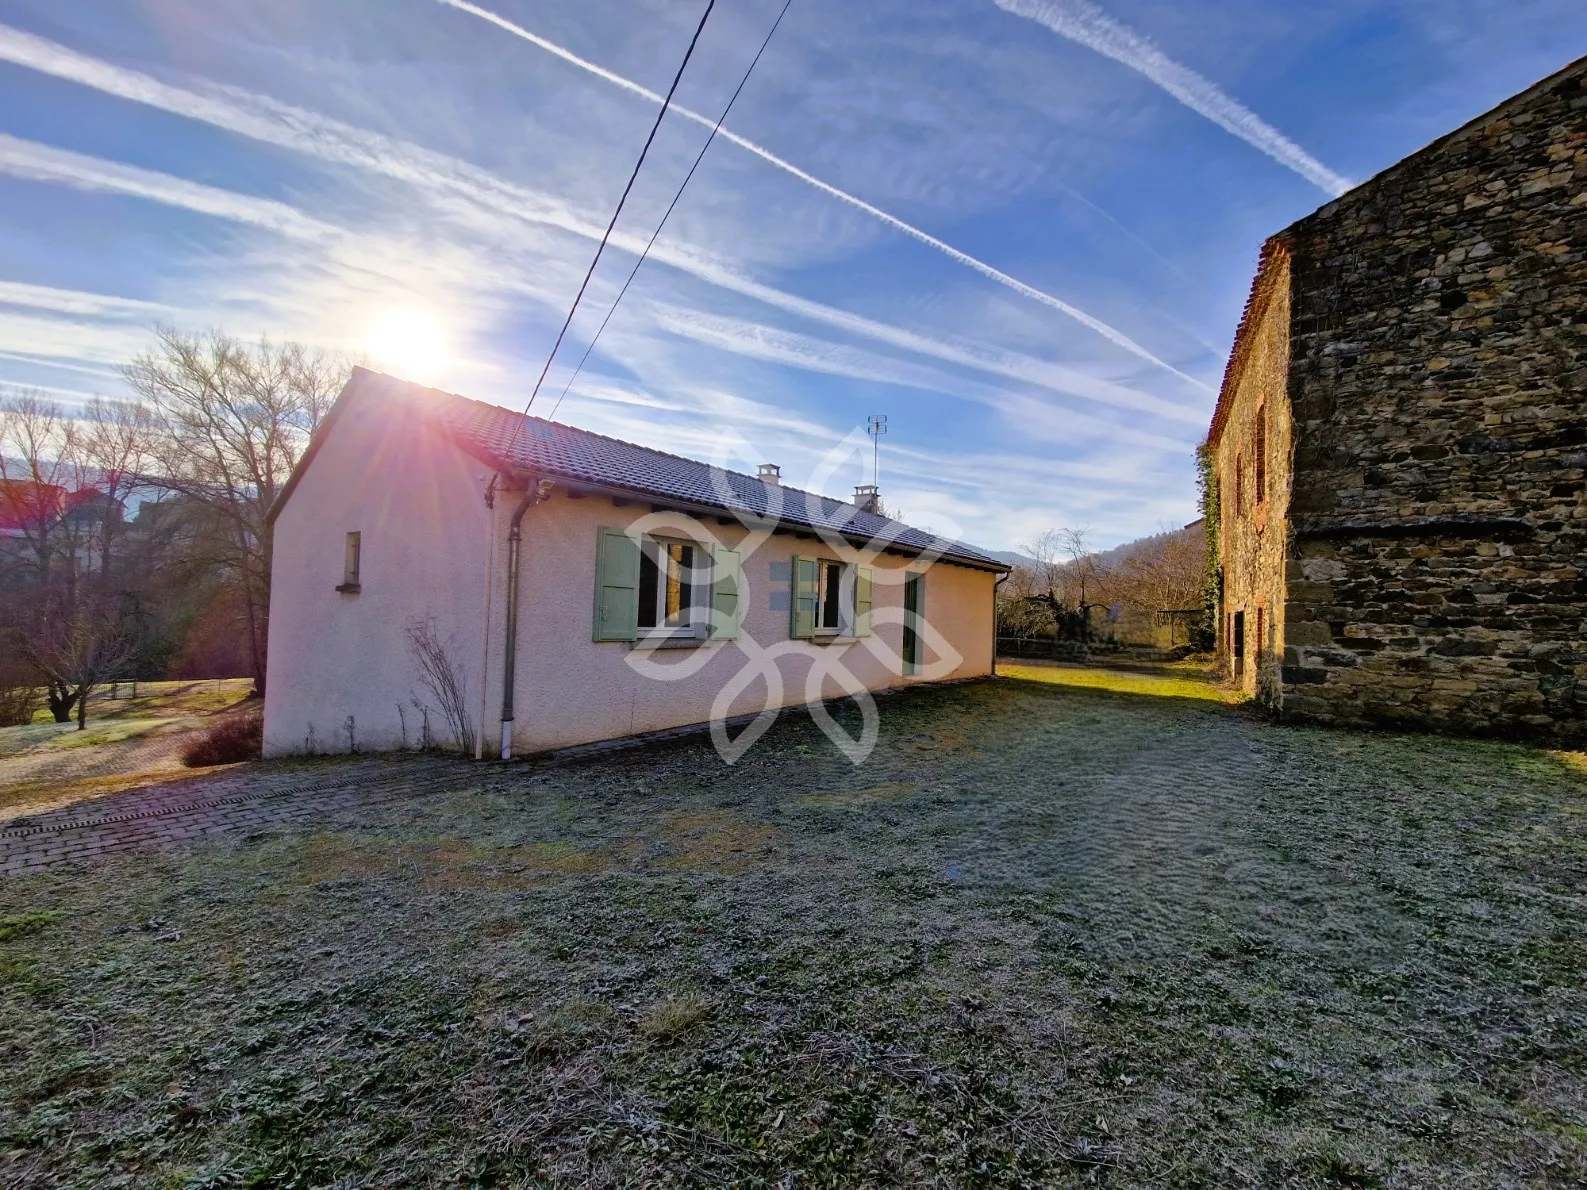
(632, 178)
(698, 158)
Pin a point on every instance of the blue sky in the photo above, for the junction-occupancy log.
(1065, 205)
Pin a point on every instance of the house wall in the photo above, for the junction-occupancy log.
(1440, 398)
(1252, 539)
(416, 500)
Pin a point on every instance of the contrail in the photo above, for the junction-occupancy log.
(1083, 22)
(45, 163)
(1110, 333)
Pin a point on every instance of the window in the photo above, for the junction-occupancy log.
(1259, 454)
(1239, 643)
(350, 565)
(661, 588)
(829, 602)
(668, 579)
(828, 599)
(1261, 640)
(1239, 484)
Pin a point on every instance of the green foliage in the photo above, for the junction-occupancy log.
(1211, 506)
(20, 925)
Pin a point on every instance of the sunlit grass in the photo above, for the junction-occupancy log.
(1173, 684)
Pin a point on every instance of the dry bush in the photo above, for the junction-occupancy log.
(17, 704)
(232, 739)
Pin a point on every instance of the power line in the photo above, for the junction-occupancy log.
(606, 235)
(698, 158)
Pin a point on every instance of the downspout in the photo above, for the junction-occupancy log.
(484, 634)
(1007, 574)
(537, 492)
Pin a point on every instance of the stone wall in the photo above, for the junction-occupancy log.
(1438, 379)
(1251, 539)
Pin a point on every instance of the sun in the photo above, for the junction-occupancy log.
(408, 343)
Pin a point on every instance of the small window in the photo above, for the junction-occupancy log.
(670, 574)
(1239, 484)
(1259, 454)
(351, 563)
(1261, 639)
(829, 601)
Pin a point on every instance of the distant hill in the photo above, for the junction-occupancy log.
(1012, 557)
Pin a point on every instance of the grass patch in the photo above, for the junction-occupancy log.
(1034, 942)
(1117, 681)
(21, 925)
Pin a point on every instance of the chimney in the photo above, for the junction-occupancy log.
(771, 473)
(867, 498)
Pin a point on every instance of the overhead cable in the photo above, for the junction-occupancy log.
(668, 214)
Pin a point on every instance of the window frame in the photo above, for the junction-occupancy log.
(352, 563)
(1259, 457)
(826, 570)
(701, 578)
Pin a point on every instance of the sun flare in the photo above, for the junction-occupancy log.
(408, 343)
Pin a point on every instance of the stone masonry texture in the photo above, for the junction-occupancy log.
(1436, 529)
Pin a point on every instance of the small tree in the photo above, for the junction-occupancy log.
(75, 653)
(444, 678)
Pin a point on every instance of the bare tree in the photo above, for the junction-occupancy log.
(1067, 580)
(41, 464)
(231, 422)
(75, 652)
(443, 676)
(1162, 573)
(117, 440)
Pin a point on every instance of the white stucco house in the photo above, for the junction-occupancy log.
(581, 588)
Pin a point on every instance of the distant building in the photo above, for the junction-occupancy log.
(1400, 444)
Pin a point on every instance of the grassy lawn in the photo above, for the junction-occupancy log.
(44, 763)
(1049, 934)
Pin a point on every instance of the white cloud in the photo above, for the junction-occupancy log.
(1085, 23)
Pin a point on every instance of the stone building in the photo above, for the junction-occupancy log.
(1400, 443)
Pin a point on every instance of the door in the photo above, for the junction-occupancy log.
(913, 593)
(1239, 644)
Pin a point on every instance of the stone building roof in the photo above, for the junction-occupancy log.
(517, 444)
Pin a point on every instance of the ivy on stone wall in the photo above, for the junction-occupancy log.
(1212, 578)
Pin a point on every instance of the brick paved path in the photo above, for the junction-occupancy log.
(238, 799)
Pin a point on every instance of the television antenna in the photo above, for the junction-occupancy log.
(876, 427)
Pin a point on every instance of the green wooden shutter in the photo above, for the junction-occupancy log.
(862, 600)
(805, 585)
(616, 586)
(727, 576)
(914, 610)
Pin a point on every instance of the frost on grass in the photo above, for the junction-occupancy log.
(1047, 936)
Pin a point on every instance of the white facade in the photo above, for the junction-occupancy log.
(429, 549)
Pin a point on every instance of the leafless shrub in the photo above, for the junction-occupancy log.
(232, 739)
(17, 704)
(444, 678)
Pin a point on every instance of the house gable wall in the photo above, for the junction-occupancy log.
(1438, 375)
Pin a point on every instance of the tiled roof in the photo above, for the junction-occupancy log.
(511, 441)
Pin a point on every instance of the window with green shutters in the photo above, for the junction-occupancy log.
(653, 587)
(828, 598)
